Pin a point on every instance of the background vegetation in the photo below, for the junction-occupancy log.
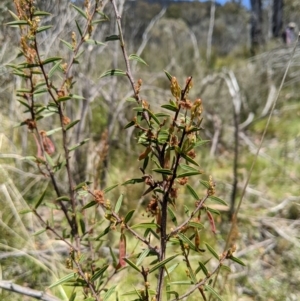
(238, 90)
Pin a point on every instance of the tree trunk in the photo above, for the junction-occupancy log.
(256, 25)
(277, 18)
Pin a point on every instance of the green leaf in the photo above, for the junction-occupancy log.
(169, 76)
(172, 216)
(17, 23)
(218, 200)
(205, 184)
(170, 107)
(109, 292)
(43, 28)
(25, 211)
(39, 201)
(71, 124)
(213, 210)
(63, 198)
(203, 268)
(131, 99)
(75, 96)
(135, 57)
(78, 144)
(67, 44)
(63, 280)
(73, 297)
(113, 72)
(226, 268)
(82, 184)
(119, 203)
(94, 42)
(39, 232)
(133, 181)
(237, 260)
(54, 68)
(99, 273)
(81, 12)
(13, 15)
(107, 189)
(192, 192)
(201, 142)
(51, 132)
(164, 171)
(145, 226)
(128, 216)
(39, 13)
(51, 60)
(213, 292)
(162, 263)
(132, 264)
(212, 251)
(189, 159)
(64, 98)
(189, 174)
(90, 204)
(130, 124)
(187, 167)
(142, 256)
(187, 241)
(78, 27)
(113, 37)
(196, 225)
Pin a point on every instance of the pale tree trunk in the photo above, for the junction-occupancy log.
(210, 31)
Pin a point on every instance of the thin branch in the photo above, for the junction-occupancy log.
(25, 291)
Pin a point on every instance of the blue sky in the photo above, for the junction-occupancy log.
(245, 2)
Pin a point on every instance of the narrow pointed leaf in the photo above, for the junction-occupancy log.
(169, 76)
(17, 23)
(187, 241)
(203, 268)
(205, 183)
(99, 273)
(133, 181)
(39, 232)
(170, 107)
(132, 264)
(189, 159)
(51, 60)
(94, 42)
(142, 256)
(39, 201)
(67, 44)
(218, 200)
(109, 292)
(81, 12)
(130, 124)
(192, 192)
(128, 216)
(63, 280)
(237, 260)
(113, 72)
(164, 171)
(78, 144)
(51, 132)
(63, 198)
(90, 204)
(106, 190)
(39, 13)
(162, 263)
(119, 203)
(135, 57)
(78, 27)
(189, 174)
(172, 216)
(43, 28)
(54, 68)
(213, 292)
(70, 125)
(145, 226)
(113, 37)
(212, 251)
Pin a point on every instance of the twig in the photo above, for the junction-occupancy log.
(25, 291)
